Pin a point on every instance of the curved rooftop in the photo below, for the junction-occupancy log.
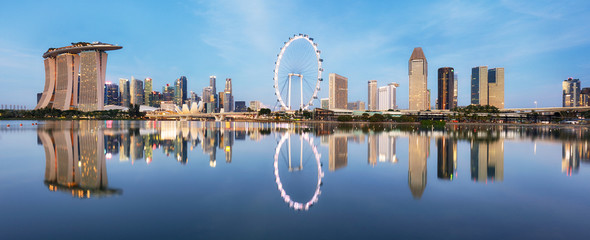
(79, 47)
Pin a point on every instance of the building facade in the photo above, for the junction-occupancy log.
(111, 94)
(338, 87)
(358, 106)
(387, 97)
(496, 87)
(373, 95)
(228, 101)
(479, 85)
(180, 91)
(418, 84)
(136, 91)
(571, 92)
(446, 91)
(147, 91)
(125, 94)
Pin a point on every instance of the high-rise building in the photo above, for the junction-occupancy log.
(69, 86)
(479, 85)
(180, 92)
(418, 84)
(136, 91)
(584, 97)
(325, 103)
(228, 103)
(456, 89)
(571, 92)
(386, 98)
(496, 87)
(446, 85)
(373, 95)
(147, 91)
(125, 96)
(92, 80)
(338, 87)
(213, 85)
(168, 93)
(111, 94)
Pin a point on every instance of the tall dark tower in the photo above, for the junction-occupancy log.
(446, 88)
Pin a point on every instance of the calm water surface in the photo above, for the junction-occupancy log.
(235, 180)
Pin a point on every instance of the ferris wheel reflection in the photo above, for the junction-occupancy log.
(304, 139)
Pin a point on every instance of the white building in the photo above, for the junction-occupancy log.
(386, 97)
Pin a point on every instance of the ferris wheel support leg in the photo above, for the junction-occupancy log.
(289, 104)
(301, 89)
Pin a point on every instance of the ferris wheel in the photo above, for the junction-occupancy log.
(298, 61)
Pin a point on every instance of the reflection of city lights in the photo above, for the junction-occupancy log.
(284, 195)
(79, 164)
(212, 164)
(148, 160)
(227, 148)
(108, 156)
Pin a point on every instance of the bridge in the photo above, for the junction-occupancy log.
(204, 116)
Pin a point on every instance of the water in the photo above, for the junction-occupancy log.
(226, 180)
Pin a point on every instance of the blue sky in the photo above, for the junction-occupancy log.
(539, 43)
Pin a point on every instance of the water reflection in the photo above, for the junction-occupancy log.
(76, 152)
(75, 160)
(284, 153)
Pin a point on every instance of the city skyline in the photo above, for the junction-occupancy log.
(518, 37)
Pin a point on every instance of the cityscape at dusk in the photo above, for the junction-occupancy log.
(297, 119)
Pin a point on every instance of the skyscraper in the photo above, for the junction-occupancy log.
(456, 89)
(446, 85)
(63, 77)
(571, 92)
(180, 92)
(215, 100)
(373, 95)
(168, 93)
(92, 79)
(418, 84)
(111, 94)
(125, 92)
(386, 98)
(496, 87)
(338, 87)
(147, 91)
(479, 85)
(228, 103)
(136, 91)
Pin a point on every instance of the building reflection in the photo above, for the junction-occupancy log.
(418, 151)
(574, 152)
(381, 148)
(75, 159)
(338, 148)
(487, 160)
(446, 158)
